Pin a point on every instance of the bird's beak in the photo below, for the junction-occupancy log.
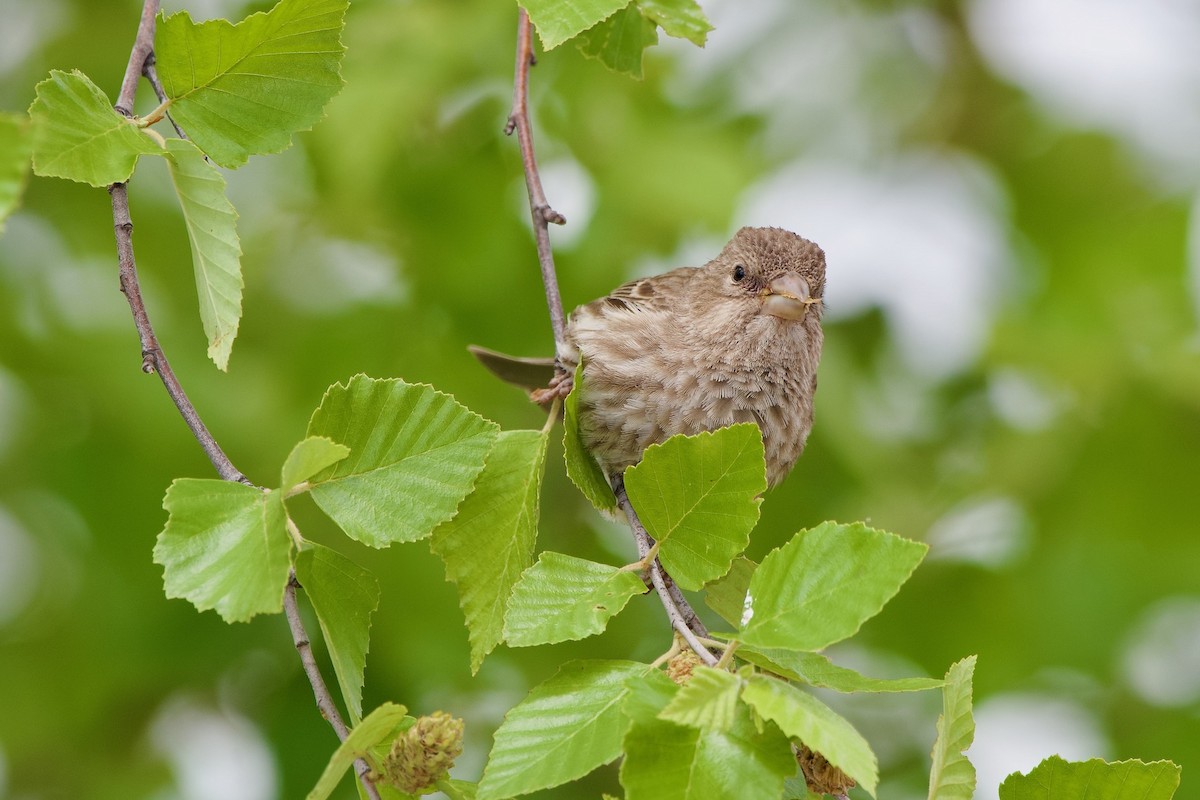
(788, 297)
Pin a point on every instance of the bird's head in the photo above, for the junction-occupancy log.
(771, 271)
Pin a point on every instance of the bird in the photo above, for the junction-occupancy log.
(694, 349)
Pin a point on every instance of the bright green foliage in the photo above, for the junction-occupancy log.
(1056, 779)
(490, 541)
(216, 252)
(682, 19)
(952, 776)
(414, 455)
(816, 669)
(727, 594)
(708, 700)
(796, 788)
(241, 90)
(458, 790)
(565, 728)
(562, 598)
(559, 20)
(821, 586)
(379, 726)
(582, 468)
(78, 136)
(620, 41)
(15, 150)
(666, 761)
(225, 547)
(344, 595)
(308, 458)
(698, 496)
(804, 717)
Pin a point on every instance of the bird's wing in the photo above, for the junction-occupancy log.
(646, 294)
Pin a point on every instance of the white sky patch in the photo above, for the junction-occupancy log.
(1161, 661)
(329, 276)
(1015, 732)
(1024, 401)
(570, 191)
(19, 568)
(215, 755)
(827, 77)
(991, 532)
(26, 26)
(921, 236)
(1127, 68)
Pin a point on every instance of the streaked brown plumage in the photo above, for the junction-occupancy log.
(696, 349)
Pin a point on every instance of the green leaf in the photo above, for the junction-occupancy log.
(952, 776)
(562, 730)
(490, 541)
(559, 20)
(244, 89)
(225, 547)
(582, 468)
(561, 598)
(666, 761)
(804, 717)
(682, 19)
(620, 41)
(216, 252)
(309, 457)
(1056, 779)
(414, 455)
(796, 788)
(821, 586)
(15, 149)
(727, 594)
(816, 669)
(708, 700)
(344, 595)
(698, 496)
(379, 725)
(458, 790)
(78, 136)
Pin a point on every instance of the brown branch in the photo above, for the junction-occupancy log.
(141, 60)
(151, 72)
(143, 46)
(539, 209)
(679, 611)
(325, 702)
(681, 614)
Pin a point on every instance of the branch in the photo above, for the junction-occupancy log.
(679, 611)
(143, 46)
(324, 699)
(151, 73)
(683, 617)
(141, 60)
(539, 208)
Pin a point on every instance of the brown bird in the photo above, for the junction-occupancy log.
(696, 349)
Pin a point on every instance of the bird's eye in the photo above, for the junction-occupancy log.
(739, 272)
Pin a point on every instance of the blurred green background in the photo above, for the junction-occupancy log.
(1007, 194)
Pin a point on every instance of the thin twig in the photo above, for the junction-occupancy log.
(539, 209)
(325, 702)
(685, 608)
(151, 72)
(683, 617)
(674, 608)
(141, 60)
(143, 46)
